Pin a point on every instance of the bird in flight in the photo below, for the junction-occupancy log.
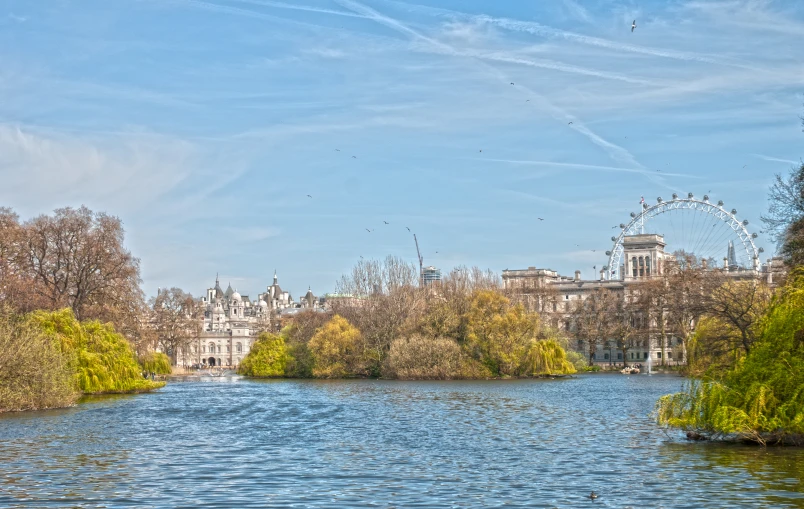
(309, 196)
(633, 25)
(570, 123)
(337, 150)
(368, 230)
(540, 219)
(386, 222)
(615, 226)
(745, 165)
(527, 100)
(354, 157)
(512, 82)
(407, 228)
(481, 150)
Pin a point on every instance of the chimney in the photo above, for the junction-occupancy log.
(602, 272)
(725, 264)
(577, 275)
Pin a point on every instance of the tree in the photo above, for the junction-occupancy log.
(386, 301)
(176, 319)
(593, 318)
(499, 333)
(300, 330)
(431, 358)
(76, 259)
(335, 349)
(741, 304)
(268, 357)
(786, 212)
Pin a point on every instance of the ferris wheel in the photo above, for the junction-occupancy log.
(694, 226)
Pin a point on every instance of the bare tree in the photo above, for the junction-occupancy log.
(740, 304)
(76, 259)
(594, 318)
(786, 204)
(176, 320)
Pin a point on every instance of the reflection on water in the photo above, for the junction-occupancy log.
(279, 443)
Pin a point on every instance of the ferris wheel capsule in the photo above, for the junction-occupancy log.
(733, 211)
(659, 199)
(720, 203)
(762, 250)
(689, 195)
(754, 235)
(706, 197)
(675, 196)
(745, 222)
(608, 253)
(614, 239)
(633, 214)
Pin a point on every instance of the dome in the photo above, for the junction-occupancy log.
(263, 304)
(236, 296)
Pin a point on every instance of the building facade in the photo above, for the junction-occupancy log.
(554, 296)
(232, 323)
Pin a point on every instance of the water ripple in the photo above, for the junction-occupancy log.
(286, 443)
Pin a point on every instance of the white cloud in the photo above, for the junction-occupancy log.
(43, 170)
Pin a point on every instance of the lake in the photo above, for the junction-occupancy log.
(356, 443)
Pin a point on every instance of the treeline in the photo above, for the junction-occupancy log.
(72, 314)
(748, 348)
(383, 324)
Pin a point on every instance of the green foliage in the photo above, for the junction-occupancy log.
(33, 372)
(546, 357)
(102, 359)
(156, 362)
(578, 360)
(268, 357)
(334, 348)
(499, 333)
(761, 399)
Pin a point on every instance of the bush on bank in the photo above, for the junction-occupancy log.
(268, 357)
(761, 398)
(155, 362)
(48, 359)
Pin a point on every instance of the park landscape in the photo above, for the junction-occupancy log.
(402, 387)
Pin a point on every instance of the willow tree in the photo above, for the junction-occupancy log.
(761, 398)
(336, 350)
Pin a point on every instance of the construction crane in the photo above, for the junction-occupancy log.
(421, 260)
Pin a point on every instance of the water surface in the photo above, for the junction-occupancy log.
(286, 443)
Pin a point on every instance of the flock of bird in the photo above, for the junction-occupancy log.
(369, 230)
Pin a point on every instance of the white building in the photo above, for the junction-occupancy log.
(232, 322)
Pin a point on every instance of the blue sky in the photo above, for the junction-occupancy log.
(205, 124)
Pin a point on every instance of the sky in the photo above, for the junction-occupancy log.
(205, 124)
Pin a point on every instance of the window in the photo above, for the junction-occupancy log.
(580, 343)
(658, 355)
(646, 355)
(647, 266)
(566, 297)
(227, 348)
(239, 348)
(669, 355)
(219, 348)
(634, 265)
(606, 356)
(212, 348)
(620, 356)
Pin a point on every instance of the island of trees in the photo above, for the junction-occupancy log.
(385, 324)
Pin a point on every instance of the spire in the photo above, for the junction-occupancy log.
(275, 278)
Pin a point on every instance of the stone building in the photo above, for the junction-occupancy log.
(553, 295)
(232, 322)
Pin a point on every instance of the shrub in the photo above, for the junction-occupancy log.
(33, 372)
(578, 360)
(422, 358)
(268, 357)
(156, 362)
(102, 359)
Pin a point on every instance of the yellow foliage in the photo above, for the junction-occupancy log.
(334, 348)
